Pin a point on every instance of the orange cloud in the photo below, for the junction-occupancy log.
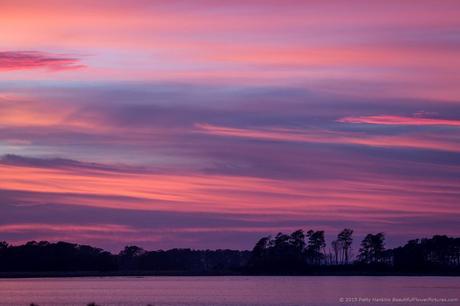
(24, 111)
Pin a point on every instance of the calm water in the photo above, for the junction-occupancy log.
(220, 291)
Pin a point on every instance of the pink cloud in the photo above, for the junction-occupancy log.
(24, 60)
(372, 197)
(427, 141)
(18, 228)
(208, 42)
(195, 192)
(399, 120)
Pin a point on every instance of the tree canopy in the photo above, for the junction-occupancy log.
(296, 253)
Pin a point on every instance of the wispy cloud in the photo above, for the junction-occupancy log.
(193, 202)
(428, 141)
(197, 108)
(21, 227)
(400, 120)
(25, 60)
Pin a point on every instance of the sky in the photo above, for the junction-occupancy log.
(208, 124)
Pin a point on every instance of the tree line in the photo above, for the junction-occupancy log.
(298, 253)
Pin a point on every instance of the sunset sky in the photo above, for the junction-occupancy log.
(208, 124)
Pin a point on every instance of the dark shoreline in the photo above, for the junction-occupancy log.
(16, 275)
(284, 255)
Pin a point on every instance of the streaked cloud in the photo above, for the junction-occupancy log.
(400, 120)
(25, 60)
(407, 140)
(207, 122)
(123, 197)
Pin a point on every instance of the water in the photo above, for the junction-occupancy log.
(225, 291)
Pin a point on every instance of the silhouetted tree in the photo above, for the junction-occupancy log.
(298, 246)
(345, 239)
(283, 254)
(281, 241)
(315, 247)
(297, 240)
(60, 256)
(439, 253)
(261, 247)
(129, 257)
(259, 254)
(372, 248)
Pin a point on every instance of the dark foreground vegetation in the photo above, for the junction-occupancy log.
(298, 253)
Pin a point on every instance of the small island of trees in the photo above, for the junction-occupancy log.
(298, 253)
